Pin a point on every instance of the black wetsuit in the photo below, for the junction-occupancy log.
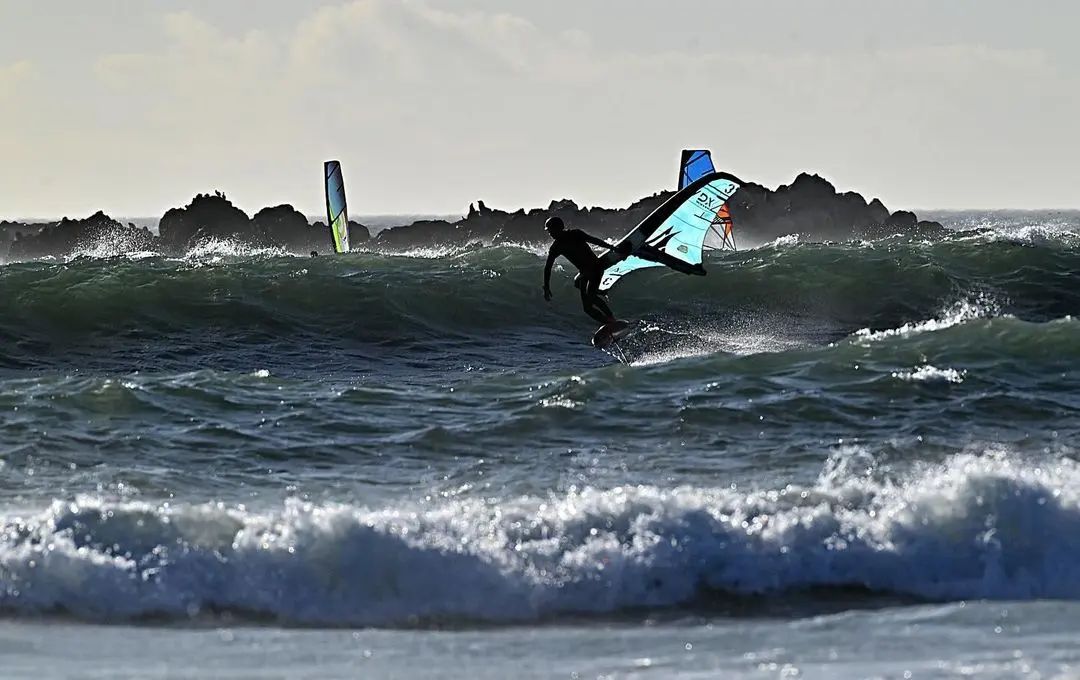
(573, 244)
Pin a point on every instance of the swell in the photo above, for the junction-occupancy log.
(225, 304)
(928, 389)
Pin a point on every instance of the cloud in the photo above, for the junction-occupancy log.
(415, 42)
(202, 81)
(394, 57)
(471, 103)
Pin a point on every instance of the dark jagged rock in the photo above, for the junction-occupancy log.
(213, 216)
(902, 221)
(493, 227)
(97, 233)
(930, 229)
(878, 212)
(208, 217)
(421, 233)
(810, 207)
(287, 228)
(358, 233)
(322, 240)
(905, 222)
(9, 231)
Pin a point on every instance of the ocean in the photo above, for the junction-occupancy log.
(821, 460)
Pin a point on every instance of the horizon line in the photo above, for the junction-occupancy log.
(384, 215)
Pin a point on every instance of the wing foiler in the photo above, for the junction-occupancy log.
(337, 213)
(674, 234)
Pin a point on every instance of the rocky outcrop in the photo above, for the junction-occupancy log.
(321, 240)
(810, 206)
(213, 216)
(285, 227)
(98, 233)
(486, 226)
(208, 216)
(9, 231)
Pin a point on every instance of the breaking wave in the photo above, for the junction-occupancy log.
(975, 526)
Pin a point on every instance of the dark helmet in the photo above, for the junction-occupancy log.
(554, 225)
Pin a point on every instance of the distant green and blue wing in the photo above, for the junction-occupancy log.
(337, 214)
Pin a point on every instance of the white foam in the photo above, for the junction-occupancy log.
(977, 526)
(423, 252)
(1041, 233)
(108, 249)
(1045, 232)
(539, 249)
(456, 250)
(784, 241)
(928, 373)
(667, 355)
(215, 250)
(977, 307)
(703, 339)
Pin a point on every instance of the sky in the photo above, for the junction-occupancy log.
(133, 107)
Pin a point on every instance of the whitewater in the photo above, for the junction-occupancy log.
(820, 460)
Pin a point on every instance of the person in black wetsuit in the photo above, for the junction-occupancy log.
(573, 244)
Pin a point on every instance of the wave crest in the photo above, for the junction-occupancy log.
(976, 526)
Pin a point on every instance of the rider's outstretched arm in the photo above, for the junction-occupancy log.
(619, 248)
(589, 238)
(552, 254)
